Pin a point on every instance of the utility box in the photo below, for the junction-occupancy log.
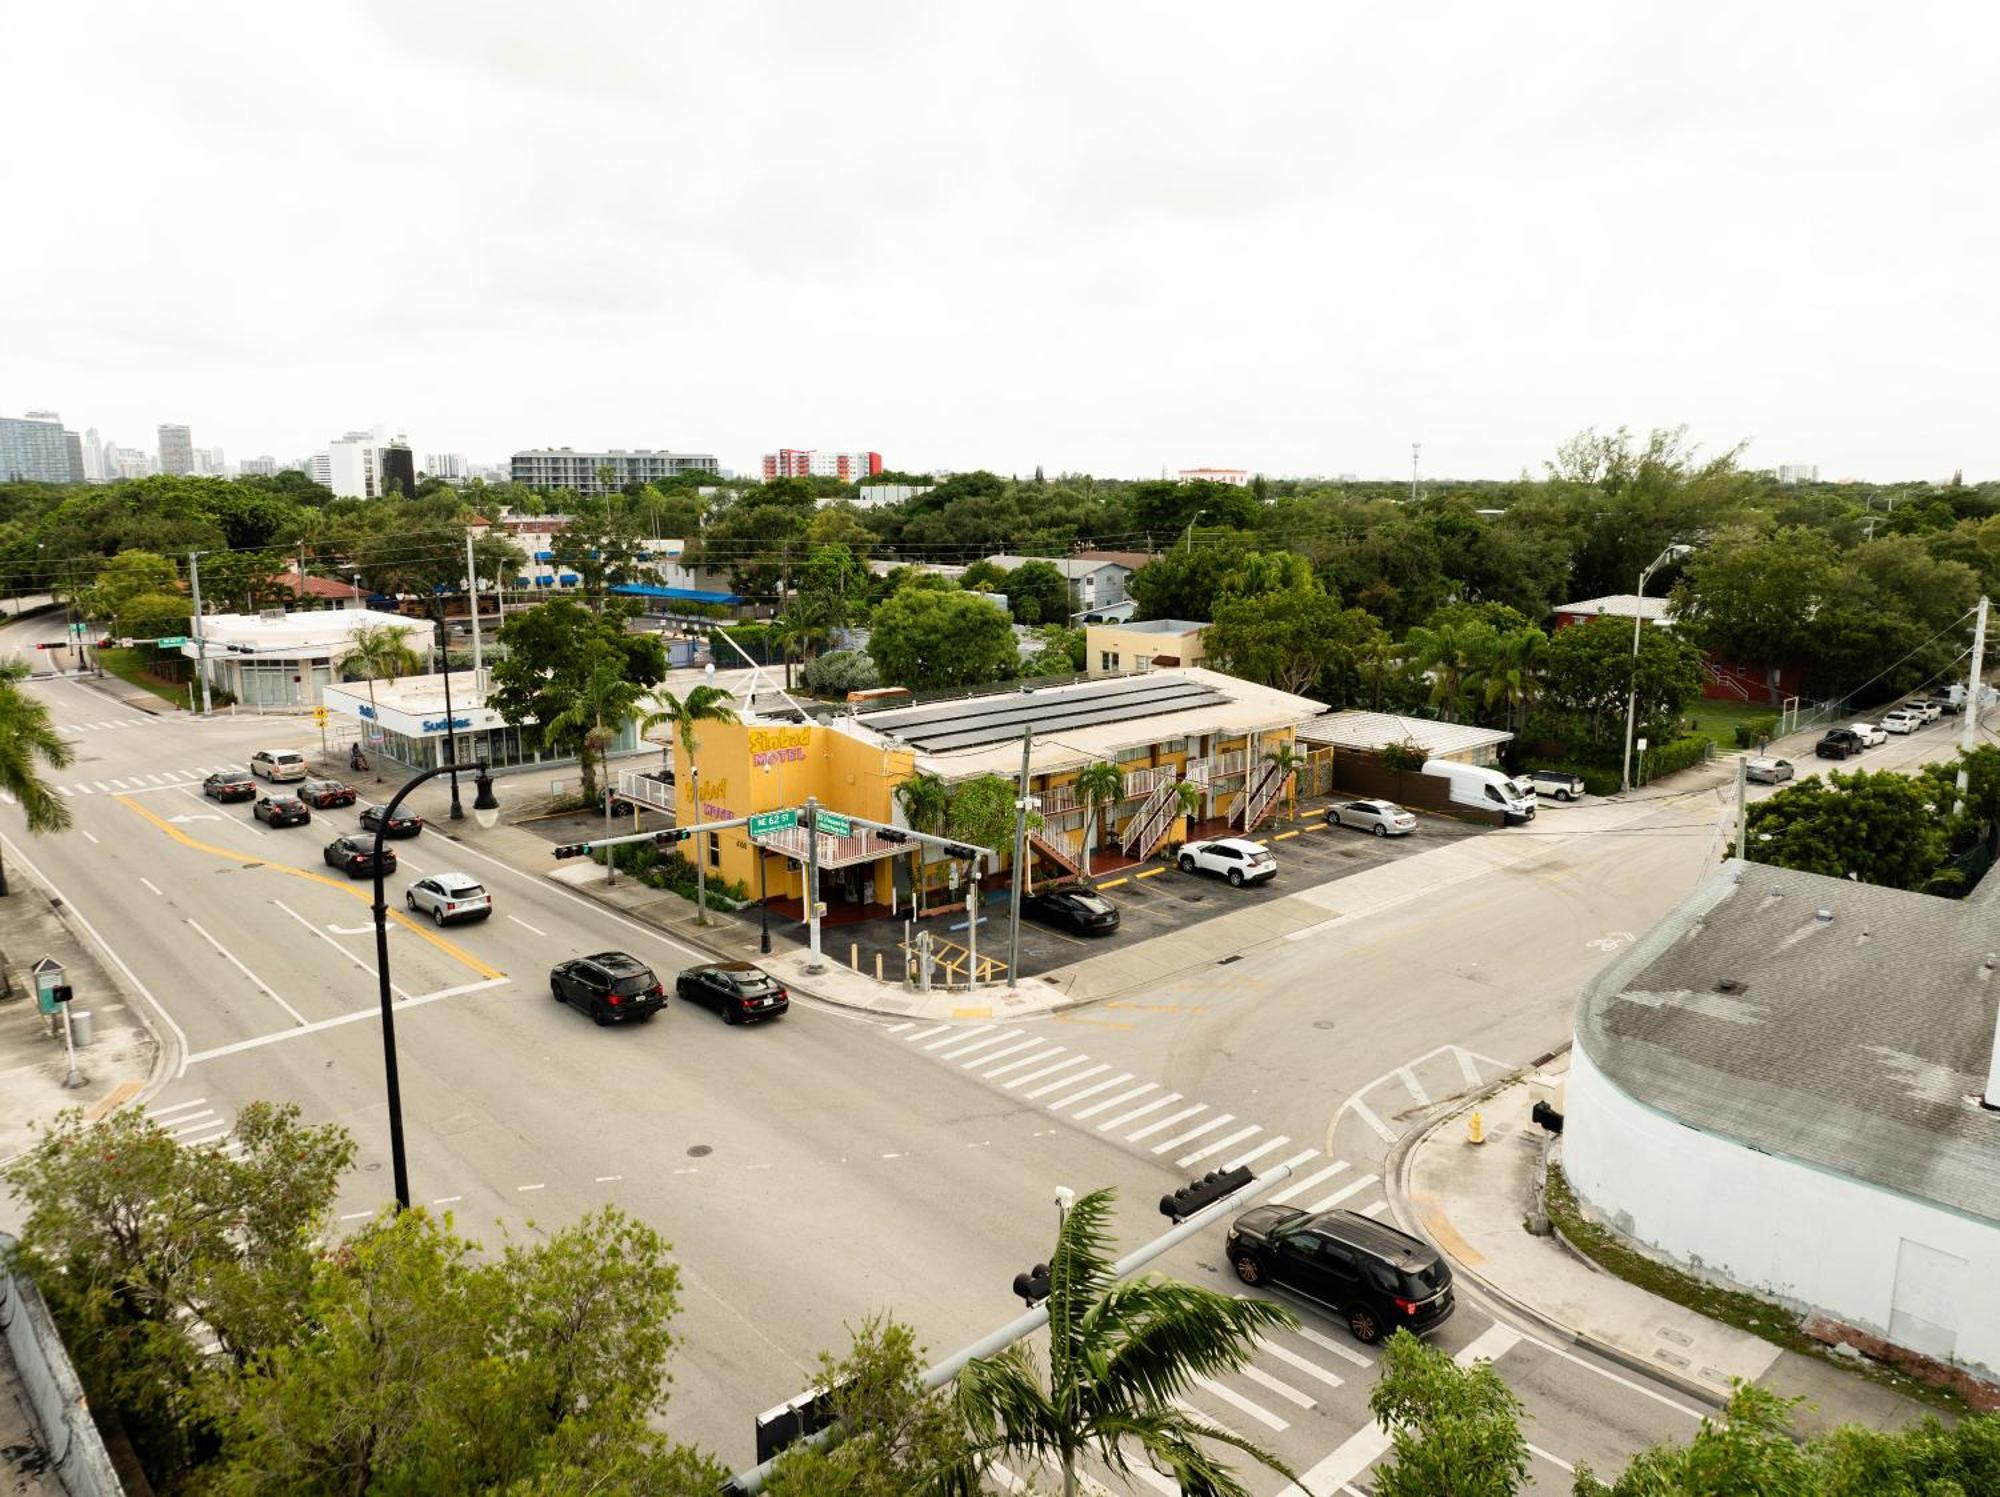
(1549, 1087)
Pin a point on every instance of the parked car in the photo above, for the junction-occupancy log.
(1382, 817)
(1769, 771)
(1524, 786)
(1902, 720)
(1481, 788)
(449, 896)
(608, 986)
(1076, 907)
(324, 795)
(278, 764)
(281, 810)
(229, 784)
(1839, 743)
(1374, 1277)
(736, 990)
(1870, 734)
(1930, 707)
(1239, 861)
(355, 856)
(1559, 783)
(404, 824)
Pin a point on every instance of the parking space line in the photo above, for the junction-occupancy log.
(1104, 1086)
(1168, 1122)
(1222, 1120)
(1300, 1187)
(963, 1034)
(1050, 1071)
(1014, 1049)
(1217, 1147)
(1138, 1112)
(1409, 1079)
(1362, 1111)
(1465, 1066)
(1111, 883)
(1284, 836)
(1150, 873)
(1343, 1193)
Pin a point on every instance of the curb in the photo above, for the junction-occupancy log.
(1395, 1170)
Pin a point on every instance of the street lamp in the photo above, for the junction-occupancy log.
(450, 724)
(1673, 552)
(1188, 539)
(485, 810)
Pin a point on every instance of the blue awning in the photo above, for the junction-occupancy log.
(568, 581)
(545, 580)
(674, 594)
(545, 556)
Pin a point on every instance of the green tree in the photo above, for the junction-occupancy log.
(1288, 761)
(1454, 1431)
(1061, 653)
(1882, 828)
(381, 652)
(838, 672)
(28, 741)
(1100, 786)
(419, 553)
(152, 615)
(553, 651)
(601, 546)
(1590, 671)
(1748, 1451)
(1286, 639)
(1122, 1354)
(1456, 658)
(1513, 678)
(1184, 583)
(926, 803)
(683, 716)
(1751, 598)
(922, 639)
(604, 699)
(759, 538)
(982, 813)
(1038, 593)
(243, 581)
(128, 575)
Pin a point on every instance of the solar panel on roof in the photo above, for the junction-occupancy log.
(942, 726)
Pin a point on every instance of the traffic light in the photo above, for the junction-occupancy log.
(61, 993)
(1204, 1192)
(1033, 1286)
(573, 850)
(889, 834)
(960, 850)
(670, 836)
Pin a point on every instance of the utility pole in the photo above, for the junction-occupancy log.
(472, 582)
(1415, 448)
(1742, 808)
(1021, 808)
(813, 961)
(972, 926)
(1968, 732)
(200, 643)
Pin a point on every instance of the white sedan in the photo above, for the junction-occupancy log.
(1239, 861)
(1382, 817)
(1903, 720)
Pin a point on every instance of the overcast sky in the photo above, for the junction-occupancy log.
(1094, 237)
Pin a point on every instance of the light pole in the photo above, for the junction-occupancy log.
(1188, 539)
(450, 724)
(1673, 553)
(486, 809)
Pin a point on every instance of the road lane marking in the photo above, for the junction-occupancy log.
(1216, 1147)
(350, 956)
(601, 1179)
(1166, 1122)
(373, 1011)
(1262, 1149)
(1109, 1102)
(255, 981)
(893, 1028)
(151, 885)
(1292, 1359)
(1553, 1460)
(1058, 1085)
(1221, 1120)
(88, 836)
(542, 1186)
(1343, 1193)
(1349, 1459)
(1490, 1345)
(1280, 1387)
(345, 886)
(527, 927)
(157, 1113)
(1014, 1049)
(1409, 1079)
(1465, 1066)
(1604, 1372)
(355, 1216)
(1138, 1112)
(446, 1200)
(1362, 1110)
(1088, 1091)
(1375, 1209)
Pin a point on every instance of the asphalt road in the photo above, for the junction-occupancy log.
(817, 1169)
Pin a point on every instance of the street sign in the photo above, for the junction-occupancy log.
(833, 824)
(319, 716)
(762, 823)
(169, 641)
(125, 642)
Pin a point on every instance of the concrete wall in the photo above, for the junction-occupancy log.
(1912, 1273)
(1361, 774)
(52, 1392)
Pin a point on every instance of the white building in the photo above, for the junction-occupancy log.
(319, 468)
(176, 450)
(1790, 1084)
(366, 464)
(450, 466)
(1236, 477)
(587, 473)
(278, 659)
(258, 467)
(405, 721)
(1798, 473)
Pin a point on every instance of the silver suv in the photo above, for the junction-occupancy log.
(449, 896)
(277, 765)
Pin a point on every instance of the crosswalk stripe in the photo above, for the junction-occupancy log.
(120, 785)
(1236, 1400)
(1283, 1389)
(1327, 1343)
(1415, 1087)
(102, 786)
(1262, 1149)
(1375, 1209)
(63, 791)
(1218, 1146)
(160, 1112)
(1300, 1187)
(899, 1028)
(159, 779)
(1343, 1193)
(81, 788)
(1363, 1112)
(1000, 1037)
(1153, 1479)
(1138, 1112)
(1088, 1091)
(193, 1122)
(192, 1142)
(1017, 1047)
(1151, 1128)
(924, 1034)
(1292, 1359)
(1109, 1102)
(963, 1034)
(1062, 1081)
(1221, 1120)
(1061, 1065)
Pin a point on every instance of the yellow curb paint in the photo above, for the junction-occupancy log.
(124, 1092)
(1445, 1235)
(1093, 1023)
(1150, 873)
(1283, 835)
(345, 887)
(1111, 883)
(972, 1013)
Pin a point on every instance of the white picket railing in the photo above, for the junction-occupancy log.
(1149, 828)
(1148, 781)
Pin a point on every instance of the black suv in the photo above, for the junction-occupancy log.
(608, 986)
(1838, 743)
(1376, 1278)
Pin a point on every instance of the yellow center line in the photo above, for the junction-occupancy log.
(346, 887)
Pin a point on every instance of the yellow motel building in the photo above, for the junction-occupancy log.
(1161, 730)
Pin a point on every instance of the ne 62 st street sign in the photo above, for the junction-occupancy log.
(762, 823)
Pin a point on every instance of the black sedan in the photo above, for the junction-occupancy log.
(736, 990)
(229, 784)
(1076, 907)
(355, 856)
(281, 810)
(324, 795)
(403, 825)
(1374, 1277)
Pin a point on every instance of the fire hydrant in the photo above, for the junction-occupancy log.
(1475, 1130)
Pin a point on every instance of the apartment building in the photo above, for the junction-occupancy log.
(176, 450)
(806, 462)
(595, 473)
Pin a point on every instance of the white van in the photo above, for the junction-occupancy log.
(1481, 788)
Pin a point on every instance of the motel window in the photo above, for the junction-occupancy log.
(1108, 660)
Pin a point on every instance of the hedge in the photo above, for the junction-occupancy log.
(1669, 758)
(672, 873)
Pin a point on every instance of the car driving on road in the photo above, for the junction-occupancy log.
(1374, 1277)
(1769, 771)
(355, 856)
(324, 795)
(1236, 859)
(609, 986)
(736, 990)
(228, 785)
(278, 764)
(1076, 907)
(1382, 817)
(402, 824)
(281, 810)
(446, 897)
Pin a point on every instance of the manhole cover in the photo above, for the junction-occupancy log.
(700, 1151)
(1323, 1024)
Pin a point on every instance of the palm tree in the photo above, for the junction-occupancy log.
(1453, 655)
(1513, 681)
(704, 704)
(926, 803)
(381, 651)
(1121, 1355)
(1188, 797)
(1288, 761)
(1099, 785)
(606, 698)
(26, 734)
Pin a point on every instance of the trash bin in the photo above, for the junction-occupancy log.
(79, 1027)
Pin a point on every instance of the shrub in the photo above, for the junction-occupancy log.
(838, 672)
(1405, 755)
(1673, 756)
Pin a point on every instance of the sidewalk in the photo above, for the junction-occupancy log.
(1471, 1201)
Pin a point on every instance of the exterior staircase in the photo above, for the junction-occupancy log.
(1060, 845)
(1149, 828)
(1260, 799)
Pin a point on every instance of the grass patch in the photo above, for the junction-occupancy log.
(129, 666)
(1733, 1307)
(1718, 720)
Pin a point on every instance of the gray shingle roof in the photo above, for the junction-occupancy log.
(1859, 1044)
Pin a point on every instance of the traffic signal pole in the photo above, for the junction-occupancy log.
(200, 645)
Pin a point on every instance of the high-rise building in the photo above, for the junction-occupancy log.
(319, 467)
(450, 466)
(209, 462)
(1798, 473)
(93, 457)
(176, 450)
(805, 462)
(74, 444)
(258, 467)
(602, 472)
(369, 464)
(33, 449)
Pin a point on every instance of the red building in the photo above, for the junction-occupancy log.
(807, 462)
